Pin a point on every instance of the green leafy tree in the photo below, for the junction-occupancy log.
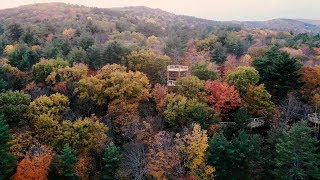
(180, 112)
(54, 105)
(15, 31)
(3, 82)
(146, 61)
(199, 113)
(279, 72)
(111, 161)
(113, 83)
(7, 161)
(218, 53)
(13, 105)
(95, 56)
(78, 55)
(202, 71)
(68, 160)
(83, 135)
(114, 53)
(23, 57)
(190, 87)
(85, 40)
(42, 69)
(242, 77)
(233, 44)
(296, 154)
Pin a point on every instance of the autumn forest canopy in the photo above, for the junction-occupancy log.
(84, 95)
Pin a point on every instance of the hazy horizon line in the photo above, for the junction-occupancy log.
(115, 7)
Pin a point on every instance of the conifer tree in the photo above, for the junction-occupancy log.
(279, 72)
(295, 155)
(68, 160)
(111, 161)
(7, 161)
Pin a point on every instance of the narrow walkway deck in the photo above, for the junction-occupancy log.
(254, 122)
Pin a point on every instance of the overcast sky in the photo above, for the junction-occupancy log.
(209, 9)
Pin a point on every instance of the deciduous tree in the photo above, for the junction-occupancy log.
(162, 157)
(83, 135)
(190, 87)
(109, 85)
(222, 97)
(202, 71)
(154, 66)
(242, 77)
(257, 101)
(310, 76)
(35, 165)
(42, 69)
(192, 145)
(53, 105)
(13, 105)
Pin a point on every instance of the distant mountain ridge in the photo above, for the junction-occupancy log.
(60, 11)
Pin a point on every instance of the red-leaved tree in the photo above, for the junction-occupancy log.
(222, 97)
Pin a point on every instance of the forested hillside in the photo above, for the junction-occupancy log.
(84, 94)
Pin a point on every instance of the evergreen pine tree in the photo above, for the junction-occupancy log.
(279, 72)
(111, 161)
(295, 155)
(7, 161)
(238, 158)
(68, 160)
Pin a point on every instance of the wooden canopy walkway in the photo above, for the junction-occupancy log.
(254, 123)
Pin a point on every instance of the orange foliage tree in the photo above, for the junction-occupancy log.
(311, 78)
(192, 56)
(231, 63)
(83, 166)
(222, 97)
(35, 165)
(162, 157)
(159, 92)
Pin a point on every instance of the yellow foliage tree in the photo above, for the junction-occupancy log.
(10, 48)
(316, 100)
(46, 128)
(257, 101)
(68, 33)
(146, 61)
(68, 74)
(53, 105)
(83, 135)
(192, 145)
(110, 85)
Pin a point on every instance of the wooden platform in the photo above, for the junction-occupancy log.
(254, 122)
(174, 72)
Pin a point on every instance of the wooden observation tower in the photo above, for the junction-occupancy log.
(315, 119)
(174, 72)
